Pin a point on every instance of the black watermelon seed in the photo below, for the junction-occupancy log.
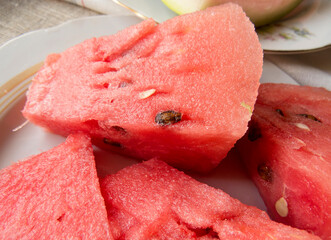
(112, 143)
(265, 172)
(254, 132)
(280, 112)
(311, 117)
(119, 129)
(168, 117)
(201, 232)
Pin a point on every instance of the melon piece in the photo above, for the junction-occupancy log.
(180, 91)
(287, 152)
(54, 195)
(260, 12)
(152, 200)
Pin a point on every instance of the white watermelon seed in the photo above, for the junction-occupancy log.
(281, 207)
(302, 126)
(147, 93)
(300, 141)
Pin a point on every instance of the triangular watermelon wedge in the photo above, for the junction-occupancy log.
(152, 200)
(54, 195)
(182, 91)
(287, 151)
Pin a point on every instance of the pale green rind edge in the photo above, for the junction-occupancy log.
(187, 6)
(180, 7)
(277, 15)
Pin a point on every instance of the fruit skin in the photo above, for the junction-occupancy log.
(54, 195)
(260, 12)
(289, 135)
(152, 200)
(201, 68)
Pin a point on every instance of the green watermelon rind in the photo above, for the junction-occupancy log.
(259, 17)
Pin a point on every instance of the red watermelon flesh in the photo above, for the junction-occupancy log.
(54, 195)
(180, 91)
(152, 200)
(287, 152)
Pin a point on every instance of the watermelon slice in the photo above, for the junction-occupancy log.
(180, 91)
(152, 200)
(54, 195)
(287, 152)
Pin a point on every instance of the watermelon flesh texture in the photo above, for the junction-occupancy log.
(54, 195)
(152, 200)
(205, 67)
(287, 152)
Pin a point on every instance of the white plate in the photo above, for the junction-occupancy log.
(306, 29)
(19, 59)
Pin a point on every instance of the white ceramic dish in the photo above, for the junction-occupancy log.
(19, 61)
(306, 29)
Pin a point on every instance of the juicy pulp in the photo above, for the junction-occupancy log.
(152, 200)
(204, 66)
(54, 195)
(287, 152)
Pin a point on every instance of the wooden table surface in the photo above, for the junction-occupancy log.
(21, 16)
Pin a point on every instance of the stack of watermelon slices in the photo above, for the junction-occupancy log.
(183, 92)
(56, 195)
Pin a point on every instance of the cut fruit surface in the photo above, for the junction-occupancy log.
(152, 200)
(287, 152)
(177, 91)
(54, 195)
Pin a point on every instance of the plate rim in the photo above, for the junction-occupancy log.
(12, 87)
(266, 50)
